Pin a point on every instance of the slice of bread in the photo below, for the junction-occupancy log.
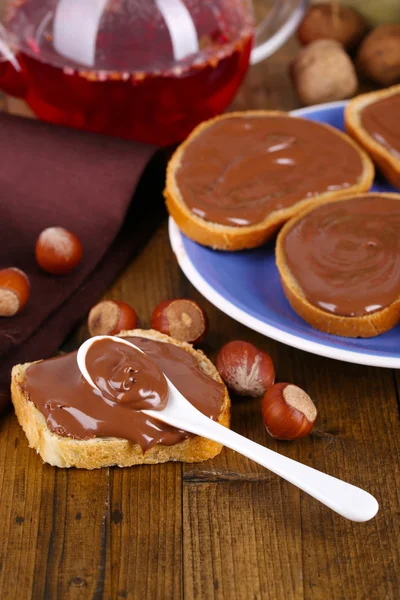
(386, 161)
(225, 237)
(62, 451)
(364, 326)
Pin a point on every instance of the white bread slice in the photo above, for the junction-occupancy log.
(62, 451)
(364, 326)
(223, 237)
(386, 161)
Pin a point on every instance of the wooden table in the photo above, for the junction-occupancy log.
(225, 528)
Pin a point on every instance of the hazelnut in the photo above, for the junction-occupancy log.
(58, 251)
(378, 57)
(182, 319)
(14, 291)
(288, 412)
(109, 317)
(246, 370)
(329, 22)
(323, 72)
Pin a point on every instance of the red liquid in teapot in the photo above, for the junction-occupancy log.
(159, 106)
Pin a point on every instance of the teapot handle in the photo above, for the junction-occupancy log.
(276, 28)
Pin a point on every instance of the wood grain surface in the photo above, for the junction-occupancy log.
(225, 528)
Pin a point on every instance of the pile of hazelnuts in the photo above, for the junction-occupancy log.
(57, 251)
(338, 49)
(288, 412)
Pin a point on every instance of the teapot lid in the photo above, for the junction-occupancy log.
(128, 36)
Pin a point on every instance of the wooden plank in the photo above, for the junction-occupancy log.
(241, 540)
(20, 478)
(357, 438)
(109, 533)
(347, 442)
(52, 524)
(242, 495)
(146, 534)
(74, 534)
(146, 502)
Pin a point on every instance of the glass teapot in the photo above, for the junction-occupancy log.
(148, 70)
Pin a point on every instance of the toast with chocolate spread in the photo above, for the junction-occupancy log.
(339, 265)
(239, 177)
(71, 425)
(373, 120)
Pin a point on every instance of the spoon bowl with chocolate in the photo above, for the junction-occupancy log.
(143, 385)
(239, 177)
(339, 264)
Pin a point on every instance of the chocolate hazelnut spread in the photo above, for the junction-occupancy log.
(239, 170)
(126, 375)
(346, 255)
(382, 121)
(72, 408)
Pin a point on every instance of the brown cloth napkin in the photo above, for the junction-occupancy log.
(52, 176)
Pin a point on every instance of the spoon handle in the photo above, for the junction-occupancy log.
(344, 498)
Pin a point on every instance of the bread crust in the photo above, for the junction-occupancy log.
(389, 164)
(364, 326)
(223, 237)
(104, 452)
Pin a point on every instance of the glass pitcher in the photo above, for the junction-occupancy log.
(148, 70)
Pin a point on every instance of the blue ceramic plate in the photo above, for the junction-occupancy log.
(246, 286)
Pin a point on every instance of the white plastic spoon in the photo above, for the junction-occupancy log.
(347, 500)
